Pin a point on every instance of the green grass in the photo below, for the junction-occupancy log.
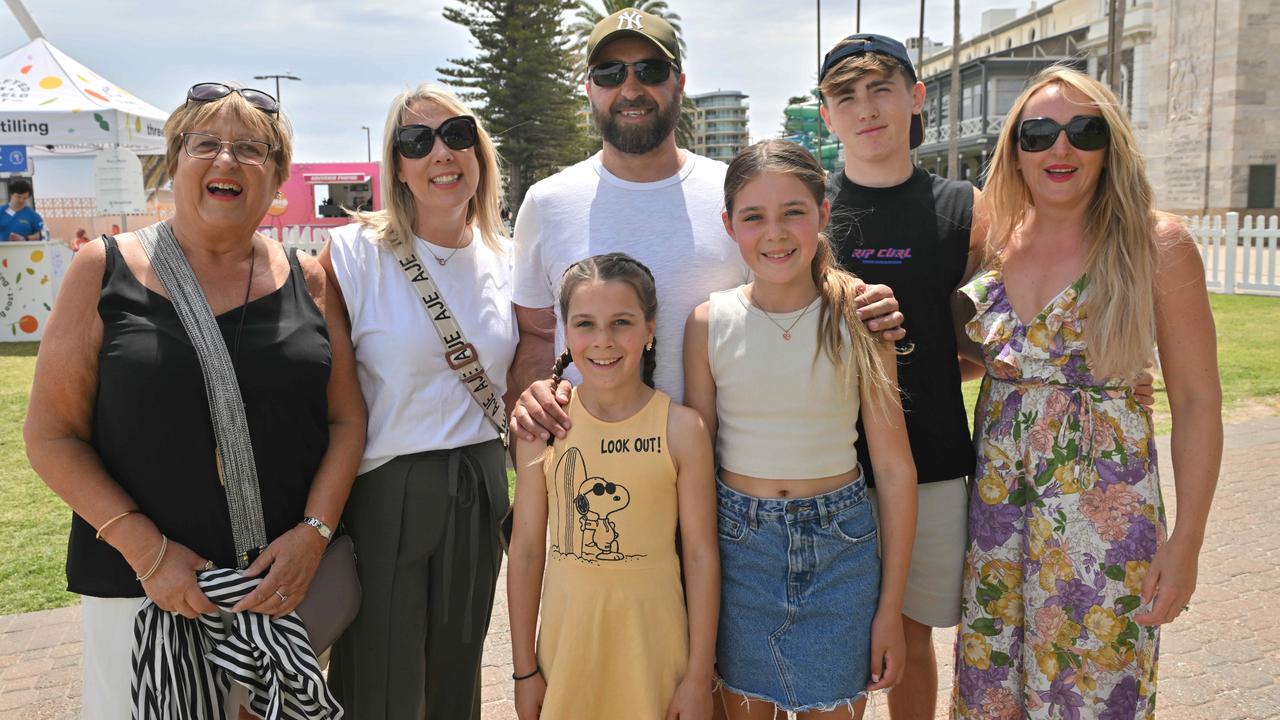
(1248, 329)
(34, 523)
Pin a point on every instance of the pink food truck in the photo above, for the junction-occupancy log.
(317, 195)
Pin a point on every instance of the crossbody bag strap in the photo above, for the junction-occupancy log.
(462, 356)
(234, 453)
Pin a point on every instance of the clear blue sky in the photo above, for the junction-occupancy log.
(354, 55)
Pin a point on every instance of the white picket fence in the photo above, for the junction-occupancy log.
(1240, 257)
(1240, 254)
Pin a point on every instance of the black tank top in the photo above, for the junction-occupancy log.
(151, 424)
(914, 237)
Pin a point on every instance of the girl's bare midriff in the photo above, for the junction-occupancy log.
(767, 488)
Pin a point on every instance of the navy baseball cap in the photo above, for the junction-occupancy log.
(863, 43)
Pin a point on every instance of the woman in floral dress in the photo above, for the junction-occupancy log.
(1071, 567)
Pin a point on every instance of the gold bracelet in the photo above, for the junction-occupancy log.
(107, 524)
(164, 545)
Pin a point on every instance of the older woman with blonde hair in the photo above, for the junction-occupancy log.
(1070, 568)
(120, 424)
(427, 288)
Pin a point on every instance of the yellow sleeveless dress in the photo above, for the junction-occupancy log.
(614, 635)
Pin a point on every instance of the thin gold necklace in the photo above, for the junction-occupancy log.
(449, 257)
(786, 331)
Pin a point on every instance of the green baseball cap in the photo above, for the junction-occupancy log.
(635, 23)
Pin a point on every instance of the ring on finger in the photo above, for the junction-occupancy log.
(282, 596)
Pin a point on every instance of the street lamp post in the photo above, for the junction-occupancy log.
(818, 136)
(277, 78)
(368, 143)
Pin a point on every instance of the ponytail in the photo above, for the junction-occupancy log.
(838, 318)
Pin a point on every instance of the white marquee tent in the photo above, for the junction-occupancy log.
(49, 99)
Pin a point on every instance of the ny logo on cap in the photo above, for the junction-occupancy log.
(630, 20)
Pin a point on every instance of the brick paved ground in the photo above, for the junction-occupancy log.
(1220, 661)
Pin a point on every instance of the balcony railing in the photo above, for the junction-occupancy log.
(973, 127)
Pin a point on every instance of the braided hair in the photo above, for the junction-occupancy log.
(611, 266)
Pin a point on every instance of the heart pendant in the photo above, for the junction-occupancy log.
(786, 335)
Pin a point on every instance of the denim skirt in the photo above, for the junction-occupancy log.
(800, 581)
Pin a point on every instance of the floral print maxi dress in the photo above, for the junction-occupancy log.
(1064, 518)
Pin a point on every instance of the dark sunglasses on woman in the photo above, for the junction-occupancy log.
(210, 91)
(416, 141)
(1084, 132)
(614, 73)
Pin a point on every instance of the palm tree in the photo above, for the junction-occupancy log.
(585, 21)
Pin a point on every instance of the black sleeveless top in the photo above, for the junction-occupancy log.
(151, 424)
(914, 237)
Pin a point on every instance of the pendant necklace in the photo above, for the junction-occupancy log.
(786, 331)
(447, 258)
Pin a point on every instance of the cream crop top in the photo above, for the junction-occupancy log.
(782, 411)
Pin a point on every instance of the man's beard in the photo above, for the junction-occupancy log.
(638, 139)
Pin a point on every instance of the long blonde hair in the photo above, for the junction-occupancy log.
(837, 313)
(395, 221)
(1119, 229)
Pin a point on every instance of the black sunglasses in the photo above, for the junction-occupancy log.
(1084, 132)
(210, 91)
(416, 141)
(614, 73)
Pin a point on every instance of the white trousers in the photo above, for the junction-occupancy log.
(107, 644)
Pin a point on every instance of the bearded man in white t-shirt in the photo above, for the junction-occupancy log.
(641, 195)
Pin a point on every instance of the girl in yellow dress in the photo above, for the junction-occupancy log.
(620, 634)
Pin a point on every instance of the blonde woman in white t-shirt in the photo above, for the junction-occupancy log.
(425, 510)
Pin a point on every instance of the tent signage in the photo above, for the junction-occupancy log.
(117, 182)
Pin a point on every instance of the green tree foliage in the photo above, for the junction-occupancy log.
(521, 83)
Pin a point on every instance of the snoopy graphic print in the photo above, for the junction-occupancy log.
(589, 508)
(612, 599)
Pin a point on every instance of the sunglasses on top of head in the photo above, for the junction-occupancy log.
(1084, 132)
(210, 91)
(416, 141)
(614, 72)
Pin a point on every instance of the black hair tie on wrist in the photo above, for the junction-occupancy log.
(536, 671)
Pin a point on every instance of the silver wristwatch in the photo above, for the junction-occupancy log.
(324, 530)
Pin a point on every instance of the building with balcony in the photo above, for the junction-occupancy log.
(720, 124)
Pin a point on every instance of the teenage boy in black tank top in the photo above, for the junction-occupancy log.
(897, 224)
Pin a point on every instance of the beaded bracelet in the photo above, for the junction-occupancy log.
(536, 671)
(164, 545)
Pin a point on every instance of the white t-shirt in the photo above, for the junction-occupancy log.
(416, 403)
(672, 226)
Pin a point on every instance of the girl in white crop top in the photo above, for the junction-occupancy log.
(779, 369)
